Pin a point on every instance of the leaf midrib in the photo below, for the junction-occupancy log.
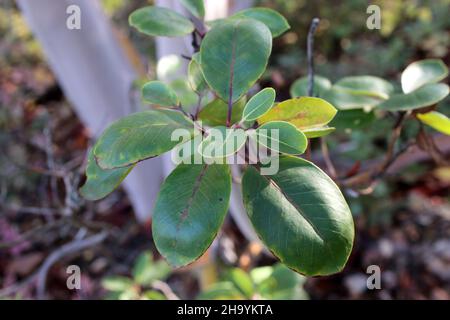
(299, 210)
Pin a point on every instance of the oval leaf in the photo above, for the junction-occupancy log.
(195, 77)
(158, 21)
(99, 182)
(425, 96)
(276, 23)
(422, 72)
(138, 137)
(283, 137)
(259, 104)
(344, 100)
(305, 112)
(365, 85)
(301, 215)
(196, 7)
(436, 120)
(222, 142)
(234, 55)
(300, 87)
(352, 119)
(159, 93)
(190, 210)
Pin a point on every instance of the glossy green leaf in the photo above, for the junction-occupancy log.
(344, 100)
(215, 112)
(241, 281)
(99, 182)
(139, 136)
(222, 142)
(159, 93)
(352, 119)
(300, 87)
(195, 77)
(196, 7)
(159, 21)
(234, 55)
(190, 210)
(301, 215)
(365, 85)
(271, 18)
(436, 120)
(304, 112)
(318, 132)
(146, 270)
(422, 72)
(425, 96)
(283, 137)
(259, 104)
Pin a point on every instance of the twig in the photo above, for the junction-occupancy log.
(63, 251)
(165, 289)
(326, 157)
(310, 53)
(378, 171)
(51, 163)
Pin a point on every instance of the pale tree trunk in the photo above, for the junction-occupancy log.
(96, 77)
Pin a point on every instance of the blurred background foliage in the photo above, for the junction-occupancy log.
(403, 226)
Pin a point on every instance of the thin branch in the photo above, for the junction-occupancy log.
(326, 157)
(63, 251)
(165, 289)
(310, 53)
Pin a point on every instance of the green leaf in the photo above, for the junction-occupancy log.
(215, 113)
(283, 137)
(276, 23)
(158, 21)
(188, 97)
(99, 182)
(425, 96)
(318, 132)
(221, 291)
(139, 136)
(233, 55)
(159, 93)
(241, 281)
(222, 142)
(190, 210)
(145, 270)
(195, 77)
(300, 87)
(153, 295)
(117, 283)
(259, 104)
(422, 72)
(283, 284)
(344, 100)
(304, 112)
(365, 85)
(196, 7)
(301, 215)
(352, 119)
(436, 120)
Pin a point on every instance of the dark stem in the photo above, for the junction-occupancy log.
(310, 53)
